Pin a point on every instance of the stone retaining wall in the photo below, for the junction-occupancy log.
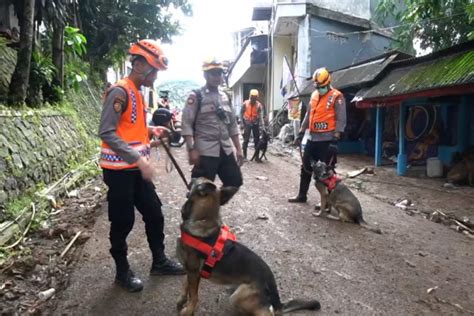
(7, 67)
(37, 147)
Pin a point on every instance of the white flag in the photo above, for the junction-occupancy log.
(286, 78)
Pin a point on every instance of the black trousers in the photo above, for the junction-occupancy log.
(127, 190)
(314, 151)
(255, 130)
(225, 166)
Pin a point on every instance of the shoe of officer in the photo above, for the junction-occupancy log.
(165, 266)
(298, 199)
(129, 281)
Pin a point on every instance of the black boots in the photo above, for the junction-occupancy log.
(165, 266)
(125, 277)
(305, 180)
(298, 199)
(128, 281)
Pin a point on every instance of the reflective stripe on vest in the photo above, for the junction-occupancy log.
(251, 111)
(131, 129)
(323, 112)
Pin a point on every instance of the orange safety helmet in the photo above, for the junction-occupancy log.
(212, 63)
(254, 93)
(151, 51)
(322, 77)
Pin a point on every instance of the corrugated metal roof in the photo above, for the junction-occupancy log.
(358, 75)
(452, 69)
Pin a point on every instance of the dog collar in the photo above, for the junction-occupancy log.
(331, 182)
(214, 252)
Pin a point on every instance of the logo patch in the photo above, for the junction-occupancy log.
(190, 100)
(117, 107)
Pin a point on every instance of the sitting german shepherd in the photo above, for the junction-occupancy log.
(256, 290)
(261, 148)
(336, 195)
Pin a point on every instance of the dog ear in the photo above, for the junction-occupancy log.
(186, 210)
(226, 193)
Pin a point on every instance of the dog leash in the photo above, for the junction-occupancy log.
(175, 163)
(302, 161)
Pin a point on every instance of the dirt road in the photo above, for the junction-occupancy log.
(350, 270)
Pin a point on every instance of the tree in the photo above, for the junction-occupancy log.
(435, 24)
(110, 26)
(19, 81)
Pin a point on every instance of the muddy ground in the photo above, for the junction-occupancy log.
(416, 267)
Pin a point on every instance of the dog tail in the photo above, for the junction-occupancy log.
(296, 305)
(369, 227)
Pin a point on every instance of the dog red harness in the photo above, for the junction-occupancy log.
(214, 253)
(331, 182)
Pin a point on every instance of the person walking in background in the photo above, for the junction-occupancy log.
(251, 115)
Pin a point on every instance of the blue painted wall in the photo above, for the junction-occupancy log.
(335, 53)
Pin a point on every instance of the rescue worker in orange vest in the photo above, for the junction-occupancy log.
(326, 120)
(251, 115)
(127, 170)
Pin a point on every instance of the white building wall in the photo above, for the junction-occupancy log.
(281, 48)
(357, 8)
(303, 64)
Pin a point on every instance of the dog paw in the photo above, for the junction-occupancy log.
(317, 214)
(181, 302)
(187, 311)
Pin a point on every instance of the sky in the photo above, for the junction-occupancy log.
(207, 33)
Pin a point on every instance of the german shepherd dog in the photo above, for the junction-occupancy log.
(339, 198)
(463, 169)
(256, 291)
(261, 148)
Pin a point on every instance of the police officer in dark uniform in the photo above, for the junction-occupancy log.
(210, 129)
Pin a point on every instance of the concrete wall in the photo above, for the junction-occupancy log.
(357, 8)
(281, 47)
(335, 52)
(304, 51)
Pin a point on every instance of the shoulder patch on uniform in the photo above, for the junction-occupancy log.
(191, 99)
(117, 106)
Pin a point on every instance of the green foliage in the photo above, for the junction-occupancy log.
(435, 24)
(15, 207)
(76, 72)
(75, 47)
(3, 42)
(74, 42)
(41, 76)
(42, 67)
(110, 26)
(470, 12)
